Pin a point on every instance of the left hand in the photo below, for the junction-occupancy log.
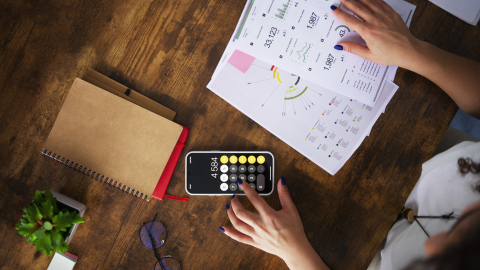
(276, 232)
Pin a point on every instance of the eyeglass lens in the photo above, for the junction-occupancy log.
(167, 263)
(153, 235)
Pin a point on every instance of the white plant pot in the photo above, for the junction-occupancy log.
(80, 207)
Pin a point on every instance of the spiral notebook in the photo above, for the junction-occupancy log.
(114, 141)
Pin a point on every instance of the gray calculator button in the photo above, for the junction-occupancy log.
(251, 169)
(233, 177)
(232, 186)
(252, 185)
(224, 168)
(224, 187)
(242, 168)
(242, 177)
(261, 182)
(251, 177)
(261, 168)
(224, 178)
(233, 168)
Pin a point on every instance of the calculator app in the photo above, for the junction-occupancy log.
(217, 172)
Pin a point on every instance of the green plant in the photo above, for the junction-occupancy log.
(45, 226)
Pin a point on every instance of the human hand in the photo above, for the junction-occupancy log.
(389, 42)
(276, 232)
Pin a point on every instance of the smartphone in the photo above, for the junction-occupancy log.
(216, 172)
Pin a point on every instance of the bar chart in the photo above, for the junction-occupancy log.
(282, 10)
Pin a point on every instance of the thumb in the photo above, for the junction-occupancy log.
(284, 195)
(354, 48)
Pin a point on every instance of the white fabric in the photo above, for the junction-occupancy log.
(440, 190)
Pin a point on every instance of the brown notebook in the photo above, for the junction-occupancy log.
(103, 135)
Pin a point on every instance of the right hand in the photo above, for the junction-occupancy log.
(389, 42)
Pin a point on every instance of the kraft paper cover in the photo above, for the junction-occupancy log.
(113, 137)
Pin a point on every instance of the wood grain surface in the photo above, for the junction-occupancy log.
(168, 50)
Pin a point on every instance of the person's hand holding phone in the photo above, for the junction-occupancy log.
(389, 41)
(276, 232)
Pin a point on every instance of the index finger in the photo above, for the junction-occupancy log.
(350, 20)
(259, 203)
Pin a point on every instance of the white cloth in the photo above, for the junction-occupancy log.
(440, 190)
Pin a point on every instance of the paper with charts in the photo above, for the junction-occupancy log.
(324, 126)
(299, 36)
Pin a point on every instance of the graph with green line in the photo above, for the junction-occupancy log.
(303, 52)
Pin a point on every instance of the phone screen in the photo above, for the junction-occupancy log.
(216, 173)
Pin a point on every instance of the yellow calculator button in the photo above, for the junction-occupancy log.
(260, 159)
(242, 159)
(233, 159)
(224, 159)
(251, 159)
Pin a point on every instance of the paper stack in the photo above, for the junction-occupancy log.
(281, 70)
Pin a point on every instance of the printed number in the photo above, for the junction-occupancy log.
(214, 175)
(214, 159)
(214, 169)
(312, 21)
(328, 63)
(273, 32)
(268, 43)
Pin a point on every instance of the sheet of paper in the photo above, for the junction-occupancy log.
(299, 36)
(467, 10)
(321, 124)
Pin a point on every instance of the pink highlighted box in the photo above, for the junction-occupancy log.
(241, 60)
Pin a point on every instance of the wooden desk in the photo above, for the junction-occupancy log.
(168, 51)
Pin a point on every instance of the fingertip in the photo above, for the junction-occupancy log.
(228, 206)
(338, 47)
(332, 7)
(221, 229)
(282, 179)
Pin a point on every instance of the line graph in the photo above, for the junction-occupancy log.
(301, 53)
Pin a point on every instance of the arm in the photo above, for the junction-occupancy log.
(389, 42)
(276, 232)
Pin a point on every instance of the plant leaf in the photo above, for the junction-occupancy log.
(38, 198)
(33, 214)
(62, 221)
(24, 219)
(26, 229)
(76, 218)
(32, 238)
(58, 242)
(47, 209)
(40, 233)
(53, 200)
(47, 225)
(44, 244)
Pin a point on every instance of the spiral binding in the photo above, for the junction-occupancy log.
(94, 175)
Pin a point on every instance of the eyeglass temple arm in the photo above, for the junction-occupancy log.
(152, 241)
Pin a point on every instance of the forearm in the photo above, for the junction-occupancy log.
(457, 76)
(305, 258)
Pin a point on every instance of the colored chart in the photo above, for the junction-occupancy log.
(282, 10)
(286, 93)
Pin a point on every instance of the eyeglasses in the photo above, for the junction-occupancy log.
(153, 235)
